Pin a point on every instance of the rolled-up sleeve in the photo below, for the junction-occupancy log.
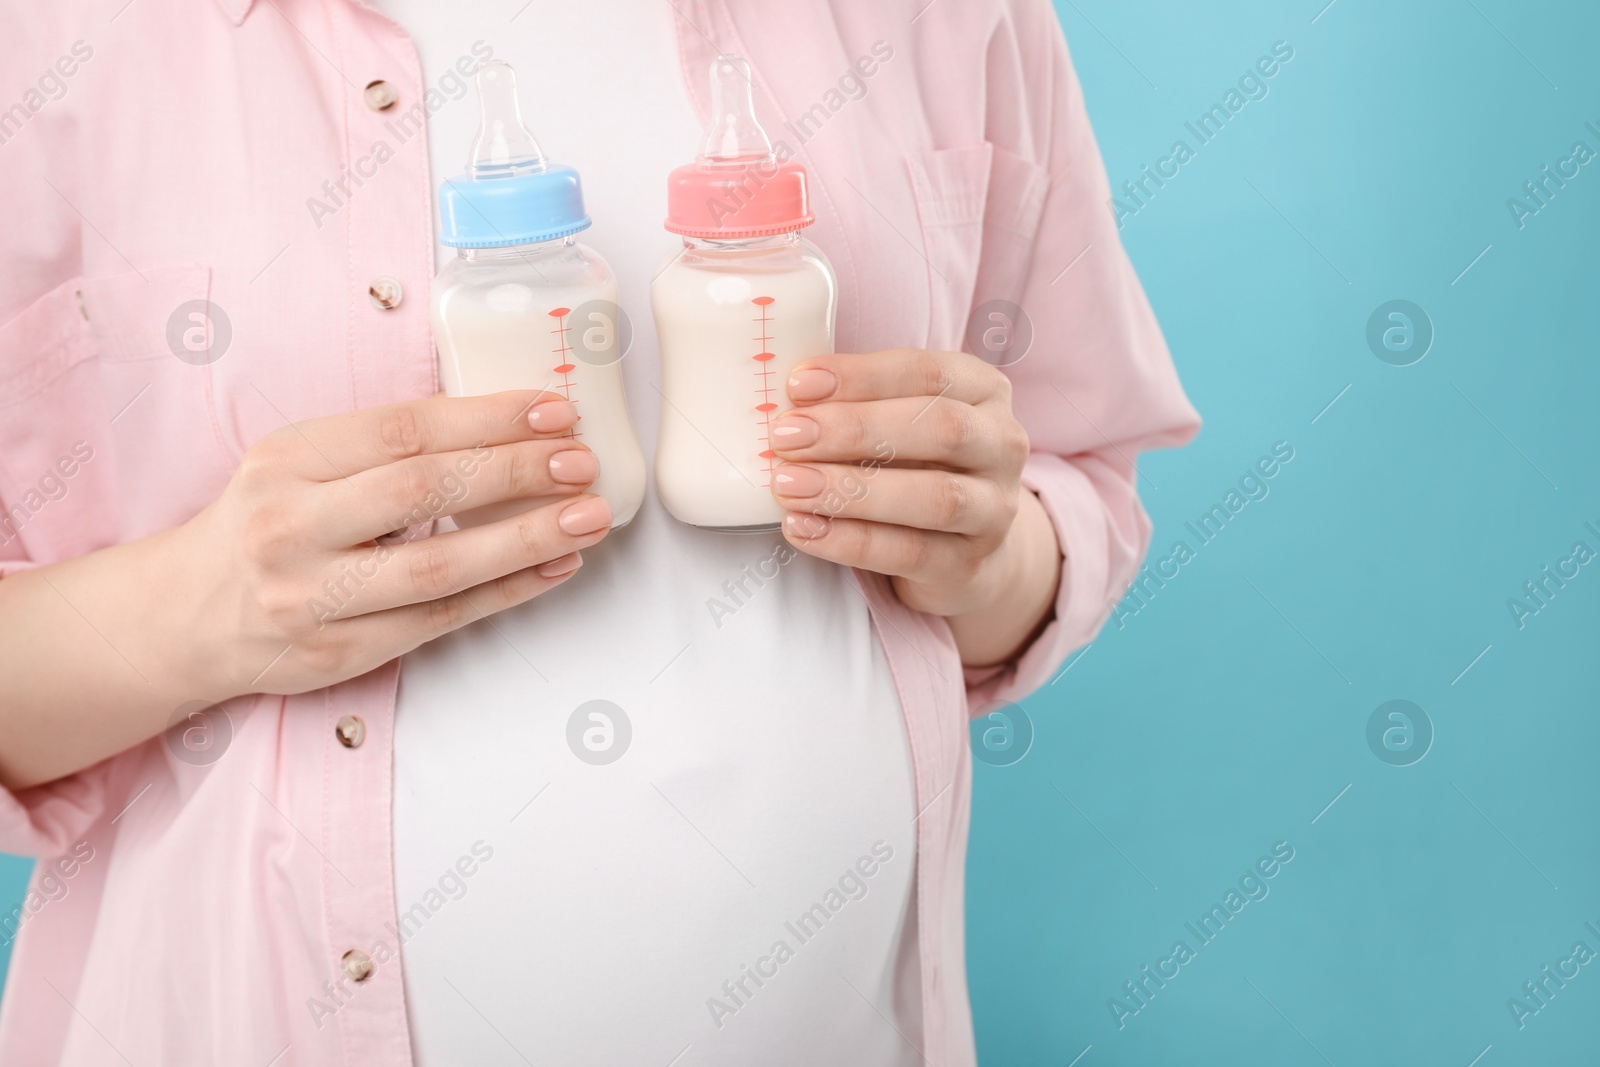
(1097, 386)
(11, 558)
(46, 819)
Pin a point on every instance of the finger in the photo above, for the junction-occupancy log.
(895, 373)
(929, 499)
(338, 446)
(926, 429)
(376, 578)
(898, 551)
(373, 502)
(416, 624)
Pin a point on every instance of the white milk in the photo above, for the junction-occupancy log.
(732, 319)
(542, 316)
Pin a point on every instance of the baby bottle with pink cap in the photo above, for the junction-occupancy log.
(523, 305)
(742, 302)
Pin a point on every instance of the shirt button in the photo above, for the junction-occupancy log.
(380, 95)
(385, 293)
(357, 964)
(351, 731)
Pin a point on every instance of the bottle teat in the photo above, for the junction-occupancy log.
(734, 136)
(503, 146)
(511, 194)
(741, 185)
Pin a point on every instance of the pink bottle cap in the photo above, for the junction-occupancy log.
(738, 187)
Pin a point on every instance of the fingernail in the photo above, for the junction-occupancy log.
(812, 384)
(560, 565)
(552, 415)
(574, 466)
(805, 525)
(585, 516)
(793, 480)
(794, 431)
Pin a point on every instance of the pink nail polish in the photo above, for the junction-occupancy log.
(552, 415)
(794, 431)
(813, 383)
(555, 568)
(791, 479)
(574, 466)
(585, 516)
(806, 526)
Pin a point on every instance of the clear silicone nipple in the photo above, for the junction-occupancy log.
(734, 135)
(504, 146)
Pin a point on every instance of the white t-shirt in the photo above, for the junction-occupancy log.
(736, 887)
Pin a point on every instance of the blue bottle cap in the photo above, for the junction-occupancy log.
(510, 194)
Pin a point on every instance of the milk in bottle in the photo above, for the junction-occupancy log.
(524, 305)
(742, 302)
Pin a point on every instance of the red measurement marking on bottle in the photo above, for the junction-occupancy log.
(563, 357)
(763, 374)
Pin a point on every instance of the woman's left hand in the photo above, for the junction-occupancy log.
(908, 463)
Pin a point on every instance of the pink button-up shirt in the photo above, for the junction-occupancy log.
(171, 151)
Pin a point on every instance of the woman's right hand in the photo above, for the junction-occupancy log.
(302, 583)
(288, 582)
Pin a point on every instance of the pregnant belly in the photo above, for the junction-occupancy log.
(668, 805)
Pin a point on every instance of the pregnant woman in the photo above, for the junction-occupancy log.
(314, 777)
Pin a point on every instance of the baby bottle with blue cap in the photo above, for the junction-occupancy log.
(523, 305)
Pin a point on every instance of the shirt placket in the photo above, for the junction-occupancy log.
(389, 250)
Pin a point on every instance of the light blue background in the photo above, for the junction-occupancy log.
(1210, 726)
(1223, 717)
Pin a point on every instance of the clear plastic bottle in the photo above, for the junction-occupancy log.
(524, 305)
(744, 301)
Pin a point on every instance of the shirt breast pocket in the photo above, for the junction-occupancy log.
(980, 209)
(106, 434)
